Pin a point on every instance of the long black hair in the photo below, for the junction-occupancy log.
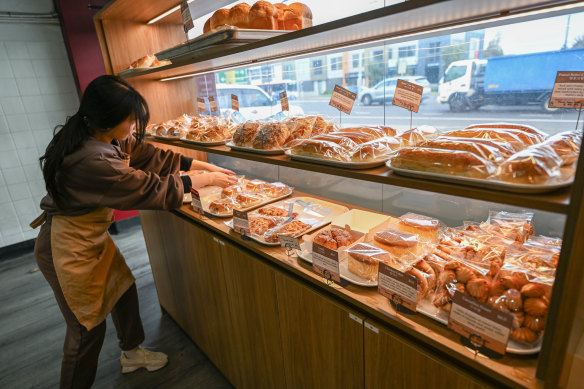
(106, 102)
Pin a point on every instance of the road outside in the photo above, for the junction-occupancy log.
(438, 115)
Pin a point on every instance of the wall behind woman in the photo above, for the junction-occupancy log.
(37, 92)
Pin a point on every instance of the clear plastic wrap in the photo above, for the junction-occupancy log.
(513, 225)
(249, 199)
(355, 135)
(232, 191)
(405, 247)
(334, 238)
(419, 134)
(510, 126)
(566, 145)
(245, 133)
(271, 136)
(256, 186)
(363, 260)
(287, 227)
(299, 127)
(320, 149)
(223, 206)
(504, 148)
(335, 137)
(485, 151)
(376, 131)
(322, 125)
(273, 210)
(259, 224)
(276, 189)
(376, 149)
(458, 163)
(537, 165)
(512, 137)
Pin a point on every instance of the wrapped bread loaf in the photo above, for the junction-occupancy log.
(538, 164)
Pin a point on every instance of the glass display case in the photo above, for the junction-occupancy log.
(477, 62)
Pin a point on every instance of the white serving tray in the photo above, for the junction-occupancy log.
(257, 151)
(349, 165)
(196, 142)
(359, 220)
(481, 183)
(322, 220)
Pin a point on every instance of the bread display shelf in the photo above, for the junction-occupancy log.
(518, 372)
(557, 201)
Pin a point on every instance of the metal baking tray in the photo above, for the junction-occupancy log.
(330, 162)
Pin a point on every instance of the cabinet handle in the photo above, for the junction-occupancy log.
(372, 328)
(219, 241)
(356, 318)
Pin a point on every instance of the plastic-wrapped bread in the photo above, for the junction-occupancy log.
(219, 18)
(358, 137)
(398, 243)
(375, 149)
(256, 186)
(248, 199)
(503, 148)
(457, 163)
(464, 144)
(276, 189)
(566, 145)
(535, 165)
(363, 260)
(322, 126)
(424, 226)
(334, 238)
(419, 134)
(263, 16)
(320, 149)
(223, 206)
(510, 126)
(377, 131)
(519, 140)
(239, 15)
(335, 137)
(271, 136)
(245, 134)
(293, 228)
(231, 191)
(300, 128)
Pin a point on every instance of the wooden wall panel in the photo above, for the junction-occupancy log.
(128, 9)
(322, 345)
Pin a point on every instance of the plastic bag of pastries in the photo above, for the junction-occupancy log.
(245, 134)
(403, 246)
(517, 139)
(505, 149)
(513, 225)
(427, 228)
(336, 137)
(426, 276)
(276, 189)
(450, 162)
(322, 125)
(526, 296)
(464, 144)
(271, 136)
(545, 246)
(419, 134)
(171, 128)
(566, 145)
(276, 210)
(334, 237)
(256, 186)
(223, 206)
(355, 135)
(263, 16)
(259, 224)
(377, 149)
(287, 227)
(320, 149)
(249, 199)
(363, 260)
(510, 126)
(536, 165)
(232, 191)
(537, 262)
(299, 127)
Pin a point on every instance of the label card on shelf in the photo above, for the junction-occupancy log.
(201, 106)
(568, 90)
(483, 325)
(400, 288)
(234, 103)
(284, 101)
(408, 95)
(213, 104)
(343, 99)
(326, 262)
(196, 201)
(240, 222)
(289, 242)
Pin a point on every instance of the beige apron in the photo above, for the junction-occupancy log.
(91, 270)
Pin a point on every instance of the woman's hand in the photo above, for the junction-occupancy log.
(199, 180)
(200, 165)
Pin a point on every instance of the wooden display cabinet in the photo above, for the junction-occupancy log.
(246, 294)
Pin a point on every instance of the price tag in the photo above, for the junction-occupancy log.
(201, 106)
(289, 243)
(213, 104)
(568, 90)
(399, 287)
(483, 325)
(234, 103)
(284, 101)
(326, 262)
(408, 95)
(240, 222)
(186, 16)
(196, 201)
(343, 99)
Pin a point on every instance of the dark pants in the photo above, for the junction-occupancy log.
(82, 347)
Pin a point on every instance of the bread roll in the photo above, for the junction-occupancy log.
(239, 15)
(247, 200)
(566, 145)
(256, 186)
(222, 206)
(375, 149)
(144, 62)
(207, 26)
(231, 191)
(263, 16)
(320, 149)
(537, 165)
(457, 163)
(334, 238)
(219, 18)
(276, 189)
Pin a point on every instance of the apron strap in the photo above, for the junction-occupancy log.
(39, 220)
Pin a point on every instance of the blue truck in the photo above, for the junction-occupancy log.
(506, 80)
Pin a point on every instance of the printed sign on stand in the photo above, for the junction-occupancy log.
(289, 242)
(201, 106)
(213, 104)
(400, 288)
(234, 103)
(568, 90)
(240, 222)
(284, 101)
(408, 95)
(196, 201)
(326, 262)
(483, 325)
(343, 99)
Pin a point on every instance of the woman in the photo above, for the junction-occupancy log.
(93, 165)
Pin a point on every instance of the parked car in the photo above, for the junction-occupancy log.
(386, 89)
(254, 103)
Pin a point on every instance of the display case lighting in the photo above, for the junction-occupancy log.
(165, 14)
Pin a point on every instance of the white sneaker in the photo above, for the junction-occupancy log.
(151, 360)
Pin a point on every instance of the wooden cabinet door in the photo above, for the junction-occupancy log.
(257, 348)
(391, 362)
(322, 341)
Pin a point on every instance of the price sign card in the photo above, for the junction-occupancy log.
(196, 201)
(343, 99)
(326, 262)
(568, 90)
(289, 243)
(284, 101)
(234, 103)
(240, 222)
(201, 106)
(483, 325)
(213, 104)
(408, 95)
(400, 288)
